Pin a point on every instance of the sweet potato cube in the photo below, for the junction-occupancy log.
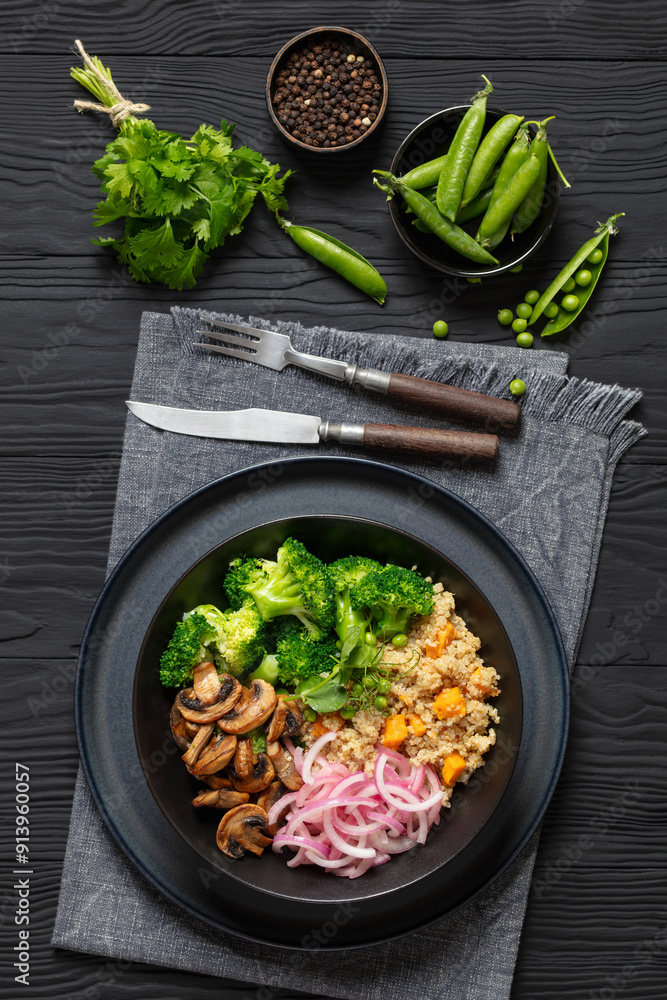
(417, 725)
(395, 732)
(452, 769)
(449, 704)
(435, 646)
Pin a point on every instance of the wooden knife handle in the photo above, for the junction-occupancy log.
(430, 441)
(454, 402)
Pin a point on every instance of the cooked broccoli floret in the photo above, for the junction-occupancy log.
(267, 670)
(185, 650)
(345, 573)
(297, 583)
(239, 636)
(392, 596)
(299, 655)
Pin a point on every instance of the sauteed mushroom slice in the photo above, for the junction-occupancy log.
(224, 798)
(216, 781)
(244, 758)
(242, 829)
(283, 764)
(268, 798)
(260, 778)
(206, 683)
(287, 716)
(199, 742)
(193, 709)
(217, 755)
(182, 738)
(256, 706)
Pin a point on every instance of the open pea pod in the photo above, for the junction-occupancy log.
(339, 257)
(564, 319)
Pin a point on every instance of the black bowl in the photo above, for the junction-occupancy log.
(361, 46)
(329, 538)
(432, 138)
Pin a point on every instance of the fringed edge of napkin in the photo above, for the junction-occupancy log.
(555, 398)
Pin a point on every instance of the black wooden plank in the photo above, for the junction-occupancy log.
(614, 158)
(591, 30)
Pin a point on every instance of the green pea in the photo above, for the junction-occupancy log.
(583, 278)
(570, 303)
(310, 715)
(381, 702)
(384, 686)
(505, 316)
(399, 640)
(368, 682)
(517, 387)
(440, 329)
(523, 310)
(474, 281)
(519, 325)
(569, 285)
(357, 690)
(348, 712)
(532, 296)
(551, 310)
(595, 257)
(525, 339)
(517, 269)
(339, 644)
(370, 639)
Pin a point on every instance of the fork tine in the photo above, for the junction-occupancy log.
(243, 355)
(231, 339)
(239, 327)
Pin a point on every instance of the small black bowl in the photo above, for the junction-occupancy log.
(432, 138)
(360, 46)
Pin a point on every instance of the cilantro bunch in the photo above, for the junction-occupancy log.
(180, 198)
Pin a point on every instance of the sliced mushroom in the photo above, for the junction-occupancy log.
(193, 709)
(261, 776)
(224, 798)
(182, 738)
(242, 829)
(199, 742)
(287, 716)
(206, 683)
(217, 755)
(283, 764)
(268, 798)
(192, 728)
(215, 781)
(254, 709)
(244, 758)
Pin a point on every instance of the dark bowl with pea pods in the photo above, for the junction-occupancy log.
(431, 139)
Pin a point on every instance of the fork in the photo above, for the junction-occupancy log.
(274, 350)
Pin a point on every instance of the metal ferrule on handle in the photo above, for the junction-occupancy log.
(370, 378)
(344, 433)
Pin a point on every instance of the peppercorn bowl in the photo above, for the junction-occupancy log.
(326, 90)
(431, 138)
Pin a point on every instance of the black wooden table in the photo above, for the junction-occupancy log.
(597, 918)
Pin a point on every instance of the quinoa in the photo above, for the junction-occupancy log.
(413, 692)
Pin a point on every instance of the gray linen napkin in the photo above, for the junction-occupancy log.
(563, 459)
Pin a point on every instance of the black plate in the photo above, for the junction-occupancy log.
(434, 880)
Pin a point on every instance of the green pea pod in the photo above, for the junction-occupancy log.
(564, 319)
(489, 152)
(443, 228)
(501, 210)
(339, 257)
(475, 208)
(529, 209)
(425, 175)
(515, 157)
(460, 154)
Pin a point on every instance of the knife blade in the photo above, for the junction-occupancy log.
(280, 427)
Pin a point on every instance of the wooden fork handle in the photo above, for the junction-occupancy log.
(431, 441)
(463, 404)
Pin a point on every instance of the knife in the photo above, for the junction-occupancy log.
(274, 350)
(279, 427)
